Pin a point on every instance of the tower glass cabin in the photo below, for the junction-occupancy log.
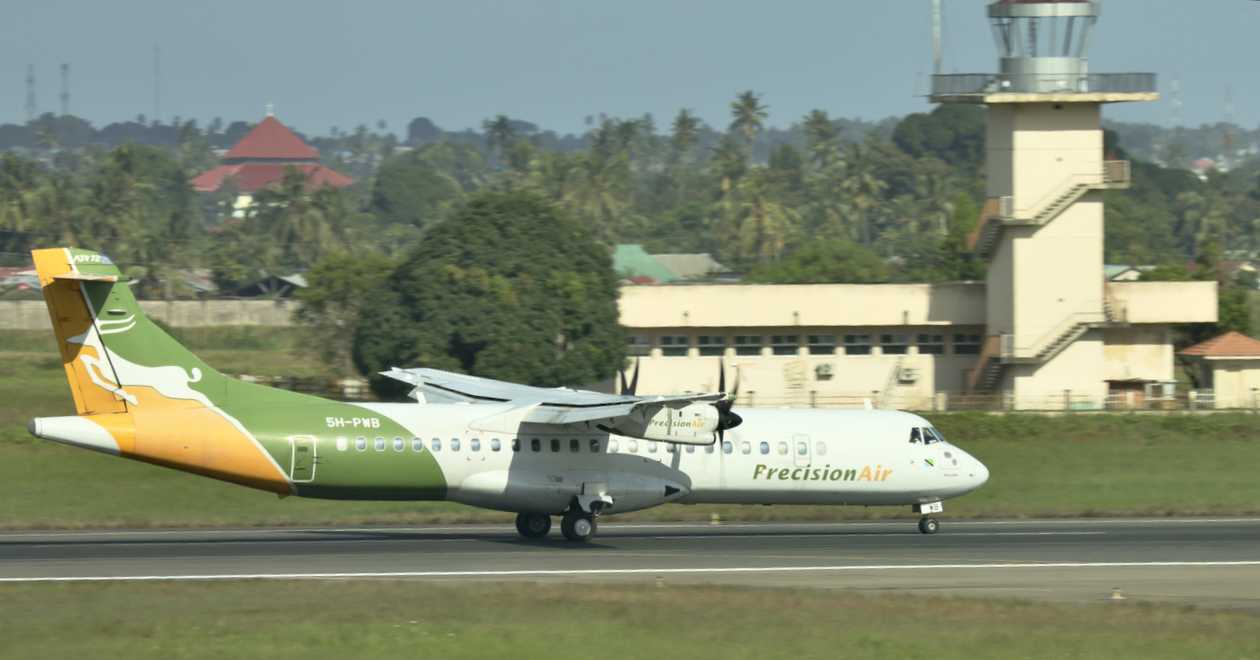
(1041, 228)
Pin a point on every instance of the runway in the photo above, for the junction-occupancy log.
(1200, 561)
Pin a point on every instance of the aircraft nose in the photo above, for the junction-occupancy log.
(980, 473)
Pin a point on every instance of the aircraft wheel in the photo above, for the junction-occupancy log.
(578, 526)
(928, 525)
(533, 525)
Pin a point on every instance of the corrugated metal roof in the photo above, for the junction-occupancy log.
(690, 266)
(1230, 344)
(634, 261)
(271, 139)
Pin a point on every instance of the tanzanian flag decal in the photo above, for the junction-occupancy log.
(929, 462)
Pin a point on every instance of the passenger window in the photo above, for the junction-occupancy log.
(555, 444)
(380, 444)
(494, 445)
(535, 444)
(475, 444)
(399, 444)
(671, 447)
(360, 443)
(651, 446)
(342, 443)
(594, 445)
(708, 449)
(820, 449)
(691, 449)
(783, 449)
(436, 444)
(929, 438)
(915, 438)
(516, 444)
(417, 444)
(765, 448)
(634, 446)
(454, 444)
(802, 449)
(726, 447)
(746, 448)
(612, 446)
(574, 445)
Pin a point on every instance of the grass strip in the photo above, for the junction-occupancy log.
(379, 619)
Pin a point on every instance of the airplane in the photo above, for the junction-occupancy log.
(536, 452)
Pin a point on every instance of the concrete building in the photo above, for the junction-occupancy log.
(1046, 323)
(1229, 368)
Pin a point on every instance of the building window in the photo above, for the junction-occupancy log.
(711, 345)
(360, 443)
(342, 443)
(822, 344)
(896, 344)
(638, 346)
(857, 344)
(380, 444)
(931, 344)
(785, 344)
(674, 345)
(966, 344)
(399, 444)
(748, 345)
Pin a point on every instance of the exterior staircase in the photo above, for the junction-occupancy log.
(1001, 350)
(999, 212)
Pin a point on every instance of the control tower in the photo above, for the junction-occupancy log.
(1041, 228)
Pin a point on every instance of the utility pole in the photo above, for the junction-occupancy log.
(65, 89)
(32, 107)
(1230, 134)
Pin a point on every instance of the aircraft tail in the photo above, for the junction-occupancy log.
(114, 356)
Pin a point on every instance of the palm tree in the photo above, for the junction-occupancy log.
(749, 116)
(500, 136)
(682, 141)
(286, 211)
(764, 223)
(823, 136)
(863, 188)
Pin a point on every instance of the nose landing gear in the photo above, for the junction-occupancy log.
(928, 524)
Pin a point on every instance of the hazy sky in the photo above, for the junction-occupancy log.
(554, 62)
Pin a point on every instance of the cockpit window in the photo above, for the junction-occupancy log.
(939, 436)
(929, 437)
(915, 438)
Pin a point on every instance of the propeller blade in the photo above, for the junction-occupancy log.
(721, 376)
(625, 389)
(735, 389)
(634, 380)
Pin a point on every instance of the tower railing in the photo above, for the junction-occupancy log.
(972, 84)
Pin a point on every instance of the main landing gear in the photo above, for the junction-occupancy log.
(578, 526)
(928, 524)
(533, 525)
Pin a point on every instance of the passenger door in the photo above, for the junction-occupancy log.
(302, 466)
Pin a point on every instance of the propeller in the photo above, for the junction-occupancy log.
(726, 418)
(634, 381)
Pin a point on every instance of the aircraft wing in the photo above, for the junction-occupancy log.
(686, 417)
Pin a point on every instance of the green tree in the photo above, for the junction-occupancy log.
(513, 288)
(953, 132)
(823, 138)
(822, 261)
(500, 136)
(336, 288)
(864, 189)
(411, 195)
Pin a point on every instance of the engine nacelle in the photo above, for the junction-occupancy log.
(694, 424)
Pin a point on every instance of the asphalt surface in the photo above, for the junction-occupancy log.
(1212, 562)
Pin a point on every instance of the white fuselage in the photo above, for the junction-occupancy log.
(777, 456)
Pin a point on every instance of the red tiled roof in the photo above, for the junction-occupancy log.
(271, 139)
(255, 176)
(1230, 344)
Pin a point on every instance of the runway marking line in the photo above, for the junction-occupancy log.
(616, 571)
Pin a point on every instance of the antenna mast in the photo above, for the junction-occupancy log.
(936, 37)
(32, 108)
(65, 89)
